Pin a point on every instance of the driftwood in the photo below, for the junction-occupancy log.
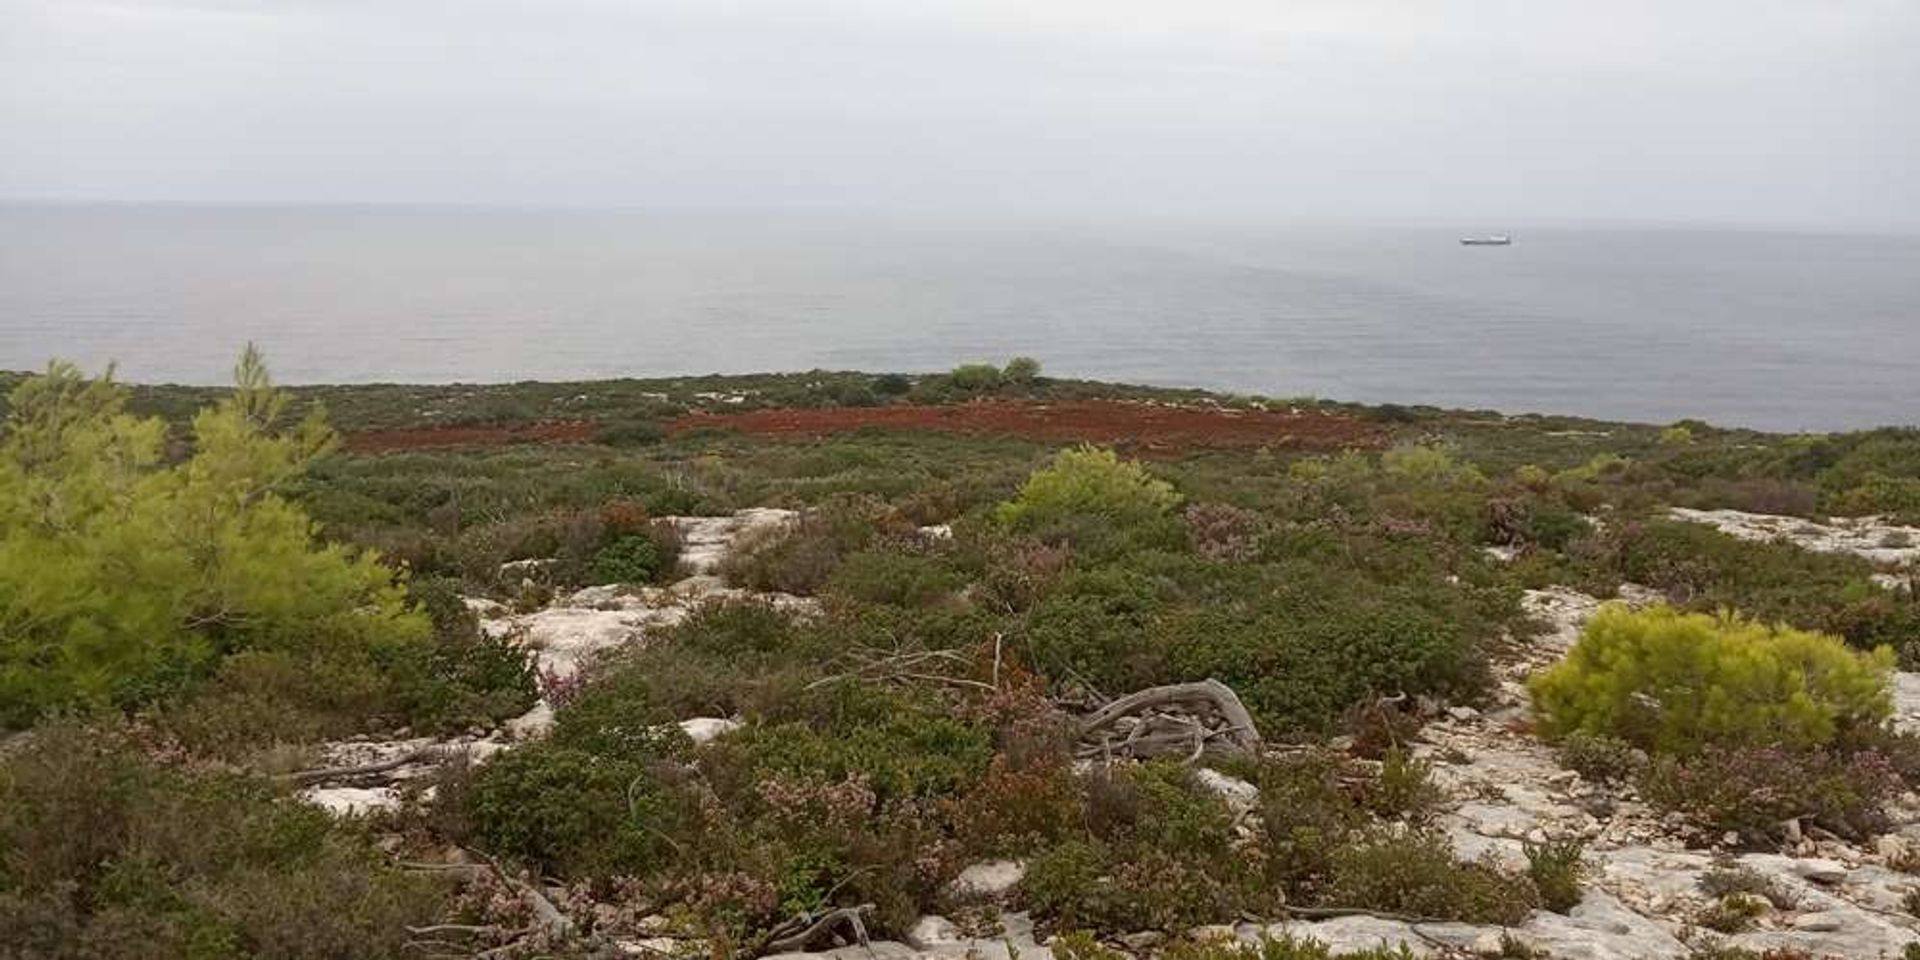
(547, 918)
(807, 930)
(431, 753)
(1182, 718)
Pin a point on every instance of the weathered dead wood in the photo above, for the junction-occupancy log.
(805, 931)
(546, 916)
(431, 753)
(1189, 718)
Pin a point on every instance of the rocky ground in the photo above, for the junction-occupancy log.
(1504, 787)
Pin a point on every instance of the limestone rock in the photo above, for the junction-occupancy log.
(708, 729)
(933, 931)
(990, 879)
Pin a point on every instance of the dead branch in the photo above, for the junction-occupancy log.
(1182, 718)
(546, 915)
(464, 928)
(807, 930)
(431, 753)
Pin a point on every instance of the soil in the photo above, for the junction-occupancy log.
(1143, 426)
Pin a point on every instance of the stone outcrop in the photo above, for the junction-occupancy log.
(563, 638)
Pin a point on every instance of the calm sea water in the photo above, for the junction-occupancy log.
(1784, 331)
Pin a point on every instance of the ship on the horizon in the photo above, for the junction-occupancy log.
(1491, 240)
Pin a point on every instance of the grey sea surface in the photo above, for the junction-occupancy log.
(1785, 331)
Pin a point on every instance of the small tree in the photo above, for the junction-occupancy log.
(124, 577)
(1021, 370)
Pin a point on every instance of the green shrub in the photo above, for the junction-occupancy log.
(1732, 913)
(110, 856)
(899, 579)
(1601, 758)
(1725, 879)
(617, 716)
(1774, 582)
(633, 558)
(1674, 683)
(1752, 790)
(124, 577)
(1404, 789)
(901, 741)
(1677, 435)
(1428, 464)
(1416, 873)
(1089, 483)
(802, 556)
(1306, 814)
(1021, 370)
(466, 677)
(975, 378)
(1556, 868)
(1063, 881)
(1283, 947)
(1098, 885)
(629, 433)
(571, 812)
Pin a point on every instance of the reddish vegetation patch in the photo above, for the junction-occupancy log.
(1146, 426)
(379, 441)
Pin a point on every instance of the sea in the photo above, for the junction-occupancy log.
(1768, 329)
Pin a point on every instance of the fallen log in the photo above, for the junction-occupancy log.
(431, 753)
(1177, 718)
(813, 930)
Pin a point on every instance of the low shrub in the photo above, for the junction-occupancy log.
(627, 432)
(633, 558)
(1089, 494)
(573, 813)
(1752, 790)
(1601, 758)
(1157, 853)
(109, 856)
(801, 557)
(1556, 868)
(1306, 815)
(1021, 370)
(903, 742)
(1674, 683)
(1013, 810)
(1704, 570)
(1224, 533)
(975, 378)
(1283, 947)
(889, 577)
(467, 677)
(1416, 873)
(1732, 913)
(1726, 878)
(1404, 789)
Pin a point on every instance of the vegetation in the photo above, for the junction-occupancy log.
(191, 599)
(1675, 683)
(109, 854)
(1748, 725)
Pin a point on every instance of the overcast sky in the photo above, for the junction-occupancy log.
(1743, 111)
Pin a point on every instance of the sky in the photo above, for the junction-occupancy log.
(1744, 112)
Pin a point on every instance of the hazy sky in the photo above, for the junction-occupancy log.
(1750, 111)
